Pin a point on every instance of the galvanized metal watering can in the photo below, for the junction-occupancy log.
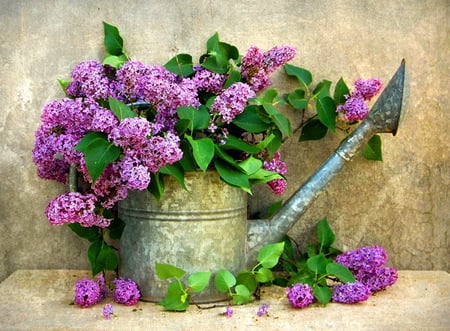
(208, 229)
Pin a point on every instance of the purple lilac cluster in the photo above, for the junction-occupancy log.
(125, 292)
(89, 292)
(146, 145)
(263, 310)
(257, 65)
(278, 186)
(228, 311)
(300, 295)
(355, 107)
(108, 311)
(368, 266)
(350, 292)
(232, 101)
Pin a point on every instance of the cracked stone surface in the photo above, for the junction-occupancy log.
(401, 203)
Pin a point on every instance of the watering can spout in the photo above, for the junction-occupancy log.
(384, 117)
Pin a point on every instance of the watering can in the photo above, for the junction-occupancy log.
(208, 230)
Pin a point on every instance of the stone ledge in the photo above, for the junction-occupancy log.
(41, 300)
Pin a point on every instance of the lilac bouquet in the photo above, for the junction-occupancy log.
(124, 124)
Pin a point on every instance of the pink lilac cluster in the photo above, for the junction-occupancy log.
(355, 107)
(257, 65)
(278, 186)
(89, 292)
(300, 295)
(75, 207)
(368, 266)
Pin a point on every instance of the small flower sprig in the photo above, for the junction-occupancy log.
(89, 292)
(324, 274)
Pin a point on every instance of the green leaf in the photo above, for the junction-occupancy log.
(120, 109)
(297, 99)
(218, 55)
(156, 186)
(317, 264)
(250, 165)
(268, 255)
(242, 295)
(63, 83)
(107, 258)
(198, 281)
(341, 272)
(303, 75)
(90, 233)
(372, 150)
(263, 176)
(224, 280)
(325, 234)
(203, 150)
(247, 278)
(165, 271)
(116, 228)
(232, 176)
(313, 130)
(249, 120)
(181, 65)
(236, 143)
(98, 152)
(93, 251)
(198, 118)
(326, 112)
(340, 91)
(114, 60)
(113, 40)
(322, 89)
(175, 170)
(175, 299)
(322, 294)
(233, 77)
(264, 275)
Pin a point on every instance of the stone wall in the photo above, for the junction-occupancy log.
(401, 203)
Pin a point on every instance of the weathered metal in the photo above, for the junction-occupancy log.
(207, 229)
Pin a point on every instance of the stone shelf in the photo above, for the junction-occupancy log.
(42, 300)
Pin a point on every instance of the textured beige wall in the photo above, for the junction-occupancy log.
(402, 203)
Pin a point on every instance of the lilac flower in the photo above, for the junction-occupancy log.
(263, 310)
(257, 65)
(126, 291)
(130, 131)
(102, 285)
(277, 56)
(209, 81)
(363, 258)
(367, 89)
(354, 109)
(87, 292)
(75, 207)
(232, 101)
(228, 311)
(108, 311)
(278, 186)
(350, 292)
(377, 279)
(89, 80)
(300, 295)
